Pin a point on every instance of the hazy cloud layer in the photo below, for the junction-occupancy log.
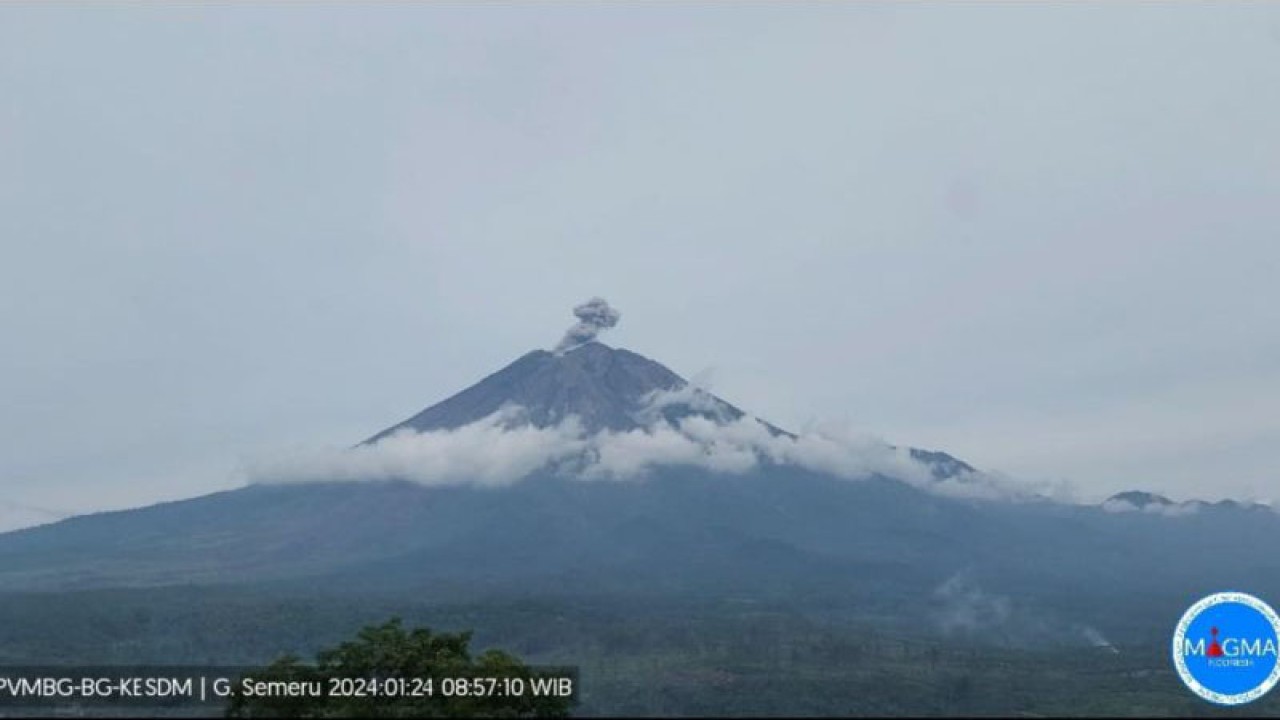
(488, 452)
(502, 449)
(1038, 237)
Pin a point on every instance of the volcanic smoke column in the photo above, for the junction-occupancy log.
(594, 317)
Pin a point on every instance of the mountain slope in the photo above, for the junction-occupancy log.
(605, 388)
(876, 547)
(771, 530)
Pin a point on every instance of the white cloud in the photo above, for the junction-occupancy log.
(493, 451)
(688, 395)
(623, 455)
(502, 449)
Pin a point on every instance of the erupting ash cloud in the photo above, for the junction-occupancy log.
(594, 317)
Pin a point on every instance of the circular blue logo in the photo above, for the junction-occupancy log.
(1225, 648)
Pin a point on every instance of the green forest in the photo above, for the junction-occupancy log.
(633, 657)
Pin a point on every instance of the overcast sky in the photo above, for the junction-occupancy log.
(1042, 238)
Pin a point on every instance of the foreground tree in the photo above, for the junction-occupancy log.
(387, 671)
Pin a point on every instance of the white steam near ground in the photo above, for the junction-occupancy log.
(503, 448)
(964, 607)
(1097, 639)
(961, 606)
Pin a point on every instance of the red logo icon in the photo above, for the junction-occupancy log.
(1215, 650)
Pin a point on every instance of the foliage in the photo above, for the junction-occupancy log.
(648, 656)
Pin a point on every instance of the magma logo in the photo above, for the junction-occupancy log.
(1225, 648)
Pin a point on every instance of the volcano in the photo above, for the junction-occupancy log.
(790, 521)
(603, 387)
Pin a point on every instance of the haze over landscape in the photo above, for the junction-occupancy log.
(752, 359)
(589, 478)
(1038, 241)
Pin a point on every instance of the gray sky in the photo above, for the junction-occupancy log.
(1042, 238)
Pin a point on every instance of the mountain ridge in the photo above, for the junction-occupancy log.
(604, 389)
(875, 542)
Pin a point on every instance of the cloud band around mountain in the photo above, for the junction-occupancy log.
(503, 449)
